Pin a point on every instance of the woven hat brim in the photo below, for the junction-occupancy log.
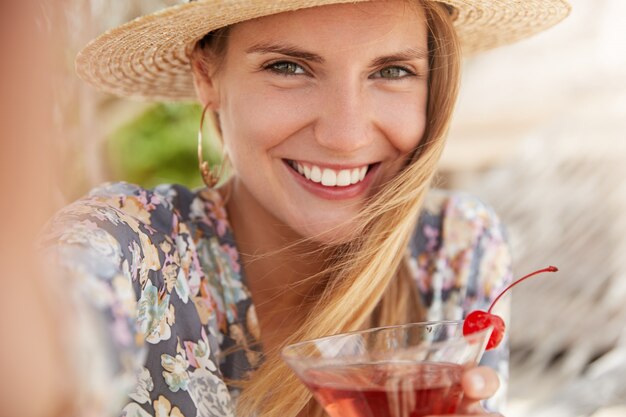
(148, 58)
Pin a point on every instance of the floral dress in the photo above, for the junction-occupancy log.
(162, 316)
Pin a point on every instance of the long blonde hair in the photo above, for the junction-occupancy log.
(369, 282)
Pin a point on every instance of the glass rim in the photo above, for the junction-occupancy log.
(289, 352)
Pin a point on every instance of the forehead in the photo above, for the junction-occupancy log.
(331, 26)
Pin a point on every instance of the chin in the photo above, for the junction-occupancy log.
(337, 234)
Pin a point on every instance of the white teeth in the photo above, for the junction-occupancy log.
(362, 173)
(316, 174)
(343, 178)
(330, 177)
(355, 176)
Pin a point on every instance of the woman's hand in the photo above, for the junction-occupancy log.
(478, 384)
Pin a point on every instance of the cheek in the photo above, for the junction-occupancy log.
(254, 119)
(403, 119)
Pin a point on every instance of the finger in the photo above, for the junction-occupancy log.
(471, 407)
(480, 383)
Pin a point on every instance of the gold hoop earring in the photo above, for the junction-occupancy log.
(210, 176)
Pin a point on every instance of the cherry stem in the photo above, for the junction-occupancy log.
(548, 269)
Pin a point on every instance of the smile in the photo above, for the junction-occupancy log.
(330, 177)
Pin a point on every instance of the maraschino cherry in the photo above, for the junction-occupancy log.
(479, 320)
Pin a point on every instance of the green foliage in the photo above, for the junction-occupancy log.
(160, 146)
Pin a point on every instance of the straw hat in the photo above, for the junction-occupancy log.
(149, 57)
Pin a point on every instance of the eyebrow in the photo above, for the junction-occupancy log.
(292, 51)
(288, 50)
(409, 54)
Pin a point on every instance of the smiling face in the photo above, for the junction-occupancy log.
(319, 108)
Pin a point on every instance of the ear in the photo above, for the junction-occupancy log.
(205, 86)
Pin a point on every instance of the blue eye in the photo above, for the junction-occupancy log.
(286, 68)
(393, 73)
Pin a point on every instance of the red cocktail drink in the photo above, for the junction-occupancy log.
(399, 371)
(387, 389)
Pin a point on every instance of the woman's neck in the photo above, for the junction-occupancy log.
(278, 266)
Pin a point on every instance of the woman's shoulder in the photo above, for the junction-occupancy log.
(167, 197)
(458, 217)
(160, 209)
(121, 221)
(459, 247)
(460, 205)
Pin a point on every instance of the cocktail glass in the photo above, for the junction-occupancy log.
(411, 370)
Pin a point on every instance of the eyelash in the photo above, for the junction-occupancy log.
(274, 67)
(408, 72)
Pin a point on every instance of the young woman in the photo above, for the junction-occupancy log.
(333, 117)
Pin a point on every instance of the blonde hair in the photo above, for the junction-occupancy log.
(367, 282)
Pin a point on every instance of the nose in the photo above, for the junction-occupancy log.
(345, 124)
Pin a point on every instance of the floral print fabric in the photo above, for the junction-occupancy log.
(163, 315)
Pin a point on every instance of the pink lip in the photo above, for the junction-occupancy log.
(334, 193)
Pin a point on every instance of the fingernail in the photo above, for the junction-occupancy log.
(477, 381)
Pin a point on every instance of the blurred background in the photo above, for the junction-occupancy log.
(538, 134)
